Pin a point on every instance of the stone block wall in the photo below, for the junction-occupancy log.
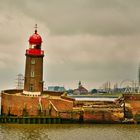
(20, 105)
(132, 105)
(104, 115)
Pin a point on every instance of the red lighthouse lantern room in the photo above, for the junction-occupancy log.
(35, 42)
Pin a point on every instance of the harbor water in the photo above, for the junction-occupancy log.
(93, 98)
(70, 132)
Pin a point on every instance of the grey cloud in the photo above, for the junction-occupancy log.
(83, 16)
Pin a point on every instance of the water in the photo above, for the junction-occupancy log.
(92, 98)
(70, 132)
(95, 99)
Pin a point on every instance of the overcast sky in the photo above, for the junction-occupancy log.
(89, 40)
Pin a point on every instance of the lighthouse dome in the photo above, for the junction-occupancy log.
(35, 39)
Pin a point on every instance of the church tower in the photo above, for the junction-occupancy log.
(33, 82)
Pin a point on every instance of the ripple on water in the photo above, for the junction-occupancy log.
(69, 132)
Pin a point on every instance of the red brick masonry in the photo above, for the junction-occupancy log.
(132, 106)
(55, 105)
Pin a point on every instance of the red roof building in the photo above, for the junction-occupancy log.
(80, 89)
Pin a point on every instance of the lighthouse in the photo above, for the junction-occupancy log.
(33, 81)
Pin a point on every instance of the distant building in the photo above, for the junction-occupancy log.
(56, 88)
(80, 89)
(70, 91)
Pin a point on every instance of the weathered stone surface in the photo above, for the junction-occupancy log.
(132, 106)
(57, 106)
(17, 104)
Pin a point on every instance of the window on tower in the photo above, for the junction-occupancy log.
(33, 62)
(37, 47)
(31, 87)
(32, 74)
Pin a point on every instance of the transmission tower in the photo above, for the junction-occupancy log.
(19, 83)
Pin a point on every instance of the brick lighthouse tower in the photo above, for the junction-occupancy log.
(33, 82)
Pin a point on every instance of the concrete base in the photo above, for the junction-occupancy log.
(29, 93)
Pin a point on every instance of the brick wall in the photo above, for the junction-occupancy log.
(37, 68)
(132, 105)
(19, 105)
(101, 116)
